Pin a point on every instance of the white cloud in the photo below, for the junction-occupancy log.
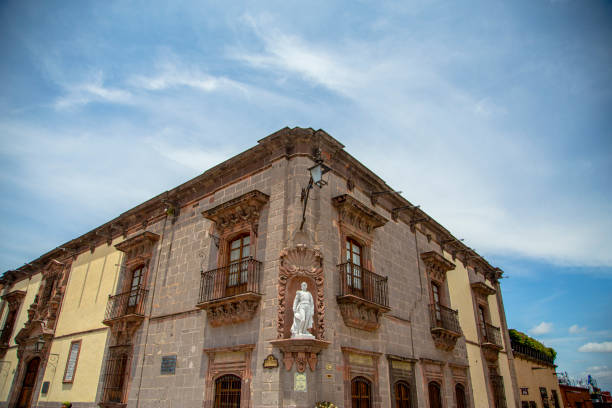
(542, 328)
(91, 90)
(603, 347)
(575, 329)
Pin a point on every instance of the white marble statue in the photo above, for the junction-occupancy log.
(303, 310)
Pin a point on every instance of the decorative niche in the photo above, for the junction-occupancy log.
(298, 264)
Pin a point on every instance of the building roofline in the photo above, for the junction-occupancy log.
(286, 142)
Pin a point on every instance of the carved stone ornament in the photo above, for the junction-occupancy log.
(482, 289)
(361, 314)
(436, 265)
(231, 310)
(491, 351)
(238, 212)
(297, 263)
(301, 261)
(302, 352)
(444, 339)
(123, 329)
(139, 248)
(357, 215)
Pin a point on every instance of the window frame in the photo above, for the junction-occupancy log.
(218, 396)
(76, 361)
(360, 379)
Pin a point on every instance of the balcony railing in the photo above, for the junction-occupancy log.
(127, 303)
(231, 280)
(491, 334)
(531, 352)
(444, 317)
(358, 281)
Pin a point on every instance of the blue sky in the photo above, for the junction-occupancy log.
(494, 116)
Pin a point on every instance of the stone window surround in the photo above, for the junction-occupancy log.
(355, 365)
(402, 369)
(357, 222)
(235, 360)
(460, 376)
(233, 218)
(433, 370)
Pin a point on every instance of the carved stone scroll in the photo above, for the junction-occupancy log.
(436, 265)
(237, 213)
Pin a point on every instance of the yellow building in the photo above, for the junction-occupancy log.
(536, 377)
(189, 299)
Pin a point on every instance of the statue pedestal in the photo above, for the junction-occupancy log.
(302, 351)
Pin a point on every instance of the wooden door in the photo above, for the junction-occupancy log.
(402, 395)
(29, 382)
(435, 399)
(361, 393)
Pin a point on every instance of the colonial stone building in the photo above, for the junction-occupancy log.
(189, 299)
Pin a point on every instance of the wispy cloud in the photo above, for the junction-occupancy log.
(604, 347)
(575, 329)
(91, 90)
(541, 328)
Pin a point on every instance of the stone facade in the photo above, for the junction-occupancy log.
(386, 329)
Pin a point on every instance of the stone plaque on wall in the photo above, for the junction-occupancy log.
(299, 382)
(168, 365)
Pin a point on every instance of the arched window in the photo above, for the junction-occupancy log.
(460, 396)
(435, 399)
(361, 393)
(402, 395)
(227, 391)
(237, 265)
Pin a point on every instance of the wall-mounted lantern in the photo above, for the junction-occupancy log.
(316, 178)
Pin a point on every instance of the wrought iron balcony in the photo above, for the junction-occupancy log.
(532, 353)
(126, 304)
(230, 294)
(234, 279)
(491, 335)
(444, 318)
(358, 281)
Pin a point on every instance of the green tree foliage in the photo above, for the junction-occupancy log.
(522, 338)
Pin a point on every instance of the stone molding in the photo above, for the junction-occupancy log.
(482, 289)
(357, 215)
(139, 248)
(444, 339)
(231, 310)
(238, 212)
(302, 352)
(361, 363)
(235, 360)
(359, 313)
(301, 260)
(436, 265)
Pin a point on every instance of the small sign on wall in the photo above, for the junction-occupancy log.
(168, 365)
(45, 387)
(299, 382)
(270, 362)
